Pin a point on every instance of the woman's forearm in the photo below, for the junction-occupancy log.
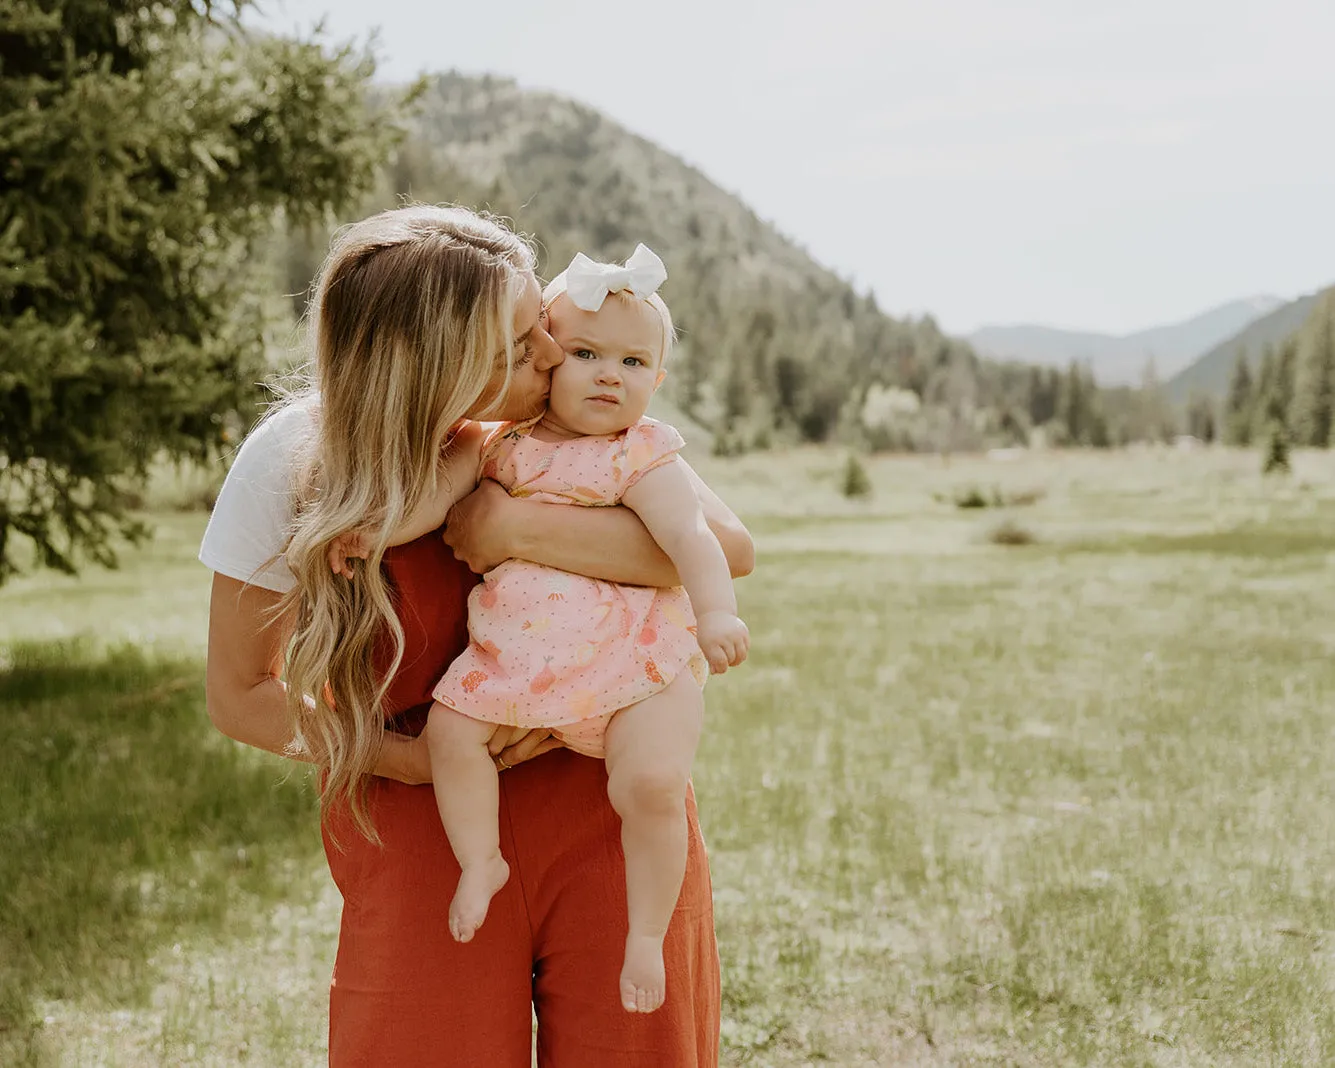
(253, 715)
(612, 544)
(603, 543)
(735, 541)
(245, 698)
(488, 527)
(258, 716)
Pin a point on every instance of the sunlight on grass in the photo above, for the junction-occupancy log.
(128, 822)
(158, 597)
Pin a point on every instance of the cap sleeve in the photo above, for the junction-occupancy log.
(252, 517)
(648, 444)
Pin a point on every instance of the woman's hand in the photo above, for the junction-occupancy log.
(513, 745)
(405, 759)
(408, 759)
(478, 528)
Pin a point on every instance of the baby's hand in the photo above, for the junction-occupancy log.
(351, 545)
(724, 640)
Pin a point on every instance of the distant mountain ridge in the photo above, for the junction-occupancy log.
(1209, 374)
(1121, 360)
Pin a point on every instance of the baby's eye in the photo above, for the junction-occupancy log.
(633, 361)
(584, 354)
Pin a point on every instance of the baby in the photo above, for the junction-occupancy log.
(614, 671)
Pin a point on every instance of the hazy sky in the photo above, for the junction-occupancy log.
(1107, 166)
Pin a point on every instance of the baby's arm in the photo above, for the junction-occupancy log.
(666, 502)
(455, 477)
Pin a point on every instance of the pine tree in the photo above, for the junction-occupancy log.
(1286, 372)
(1201, 418)
(855, 481)
(1314, 401)
(1276, 457)
(1073, 406)
(1239, 402)
(1157, 419)
(1264, 393)
(147, 148)
(1041, 395)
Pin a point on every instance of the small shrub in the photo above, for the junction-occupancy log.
(977, 497)
(1009, 532)
(1276, 458)
(856, 482)
(971, 497)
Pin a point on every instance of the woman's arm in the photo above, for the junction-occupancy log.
(247, 700)
(245, 696)
(489, 526)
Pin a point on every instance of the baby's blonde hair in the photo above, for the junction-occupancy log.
(557, 287)
(413, 309)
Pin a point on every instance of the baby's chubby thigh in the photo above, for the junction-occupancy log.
(450, 735)
(651, 746)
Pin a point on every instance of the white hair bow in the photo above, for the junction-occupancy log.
(588, 283)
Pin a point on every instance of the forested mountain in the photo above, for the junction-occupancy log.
(1122, 359)
(774, 347)
(1287, 395)
(1209, 375)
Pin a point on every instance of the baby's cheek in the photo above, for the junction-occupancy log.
(563, 371)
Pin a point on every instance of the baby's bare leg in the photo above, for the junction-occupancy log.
(468, 797)
(650, 747)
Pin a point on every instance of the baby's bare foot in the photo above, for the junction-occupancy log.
(643, 980)
(477, 886)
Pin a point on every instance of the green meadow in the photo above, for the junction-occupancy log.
(1044, 781)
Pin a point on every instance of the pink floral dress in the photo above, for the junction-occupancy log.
(552, 649)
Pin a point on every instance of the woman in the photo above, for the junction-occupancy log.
(424, 317)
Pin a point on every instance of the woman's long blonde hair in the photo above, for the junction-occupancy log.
(412, 311)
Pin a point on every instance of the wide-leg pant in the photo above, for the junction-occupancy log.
(405, 994)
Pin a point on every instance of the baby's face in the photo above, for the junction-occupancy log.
(611, 366)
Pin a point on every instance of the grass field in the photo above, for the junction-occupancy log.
(1058, 803)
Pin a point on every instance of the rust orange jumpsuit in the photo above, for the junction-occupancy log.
(405, 994)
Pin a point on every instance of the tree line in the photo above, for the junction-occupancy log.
(1291, 394)
(166, 173)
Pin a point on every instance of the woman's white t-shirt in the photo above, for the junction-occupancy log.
(251, 519)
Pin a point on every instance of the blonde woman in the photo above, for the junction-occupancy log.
(425, 317)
